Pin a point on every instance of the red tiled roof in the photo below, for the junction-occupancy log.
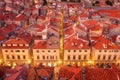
(40, 45)
(72, 18)
(90, 23)
(55, 29)
(1, 16)
(83, 15)
(55, 20)
(20, 17)
(43, 73)
(26, 37)
(14, 76)
(69, 31)
(103, 43)
(66, 25)
(6, 30)
(115, 15)
(97, 27)
(2, 35)
(70, 73)
(16, 41)
(73, 43)
(112, 26)
(81, 28)
(40, 28)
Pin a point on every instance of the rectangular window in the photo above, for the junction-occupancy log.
(53, 57)
(74, 57)
(13, 57)
(24, 57)
(98, 57)
(104, 57)
(43, 57)
(38, 57)
(79, 57)
(84, 57)
(56, 57)
(7, 56)
(18, 56)
(115, 56)
(68, 57)
(50, 57)
(47, 57)
(109, 57)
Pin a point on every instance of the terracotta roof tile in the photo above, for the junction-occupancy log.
(40, 45)
(20, 17)
(103, 43)
(90, 23)
(73, 43)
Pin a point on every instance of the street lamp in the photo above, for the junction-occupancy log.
(90, 62)
(29, 61)
(0, 61)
